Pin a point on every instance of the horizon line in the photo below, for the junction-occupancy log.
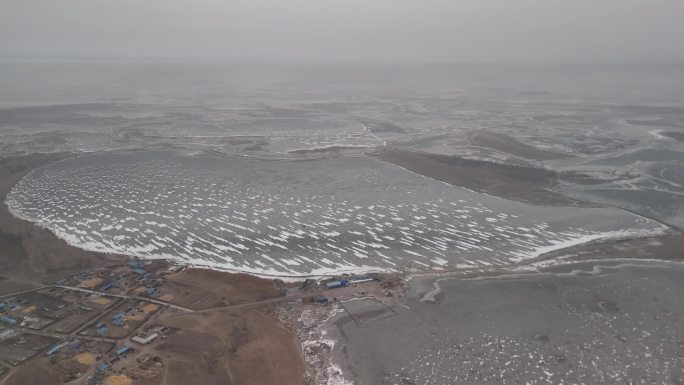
(265, 60)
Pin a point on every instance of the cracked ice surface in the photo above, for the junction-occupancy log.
(295, 218)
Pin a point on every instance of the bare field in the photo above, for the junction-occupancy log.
(21, 347)
(242, 347)
(37, 371)
(204, 289)
(10, 285)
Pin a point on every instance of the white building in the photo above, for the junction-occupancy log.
(145, 340)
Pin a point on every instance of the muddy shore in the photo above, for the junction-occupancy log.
(30, 252)
(520, 183)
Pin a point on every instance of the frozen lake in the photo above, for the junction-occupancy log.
(589, 323)
(295, 218)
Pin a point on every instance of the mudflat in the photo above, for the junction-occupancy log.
(519, 183)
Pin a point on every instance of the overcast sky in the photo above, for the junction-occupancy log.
(349, 30)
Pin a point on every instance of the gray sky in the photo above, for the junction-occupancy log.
(349, 30)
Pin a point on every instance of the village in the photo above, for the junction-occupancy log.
(111, 325)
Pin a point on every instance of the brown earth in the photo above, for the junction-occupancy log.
(91, 283)
(165, 297)
(37, 371)
(85, 359)
(247, 346)
(100, 300)
(14, 284)
(119, 379)
(150, 308)
(28, 310)
(519, 183)
(205, 289)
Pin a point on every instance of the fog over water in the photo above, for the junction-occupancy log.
(351, 30)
